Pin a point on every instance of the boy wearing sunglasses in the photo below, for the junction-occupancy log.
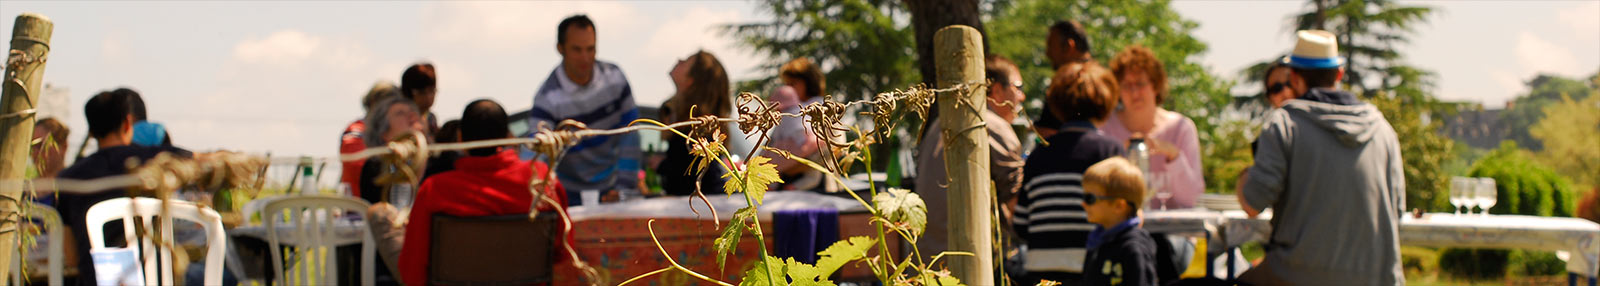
(1120, 253)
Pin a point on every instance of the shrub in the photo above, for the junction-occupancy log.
(1525, 188)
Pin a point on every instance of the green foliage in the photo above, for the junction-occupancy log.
(1474, 263)
(1525, 187)
(728, 242)
(1570, 132)
(863, 46)
(842, 252)
(903, 209)
(1535, 263)
(1230, 156)
(1424, 150)
(759, 173)
(1544, 90)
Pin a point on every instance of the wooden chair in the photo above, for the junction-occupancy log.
(145, 210)
(496, 250)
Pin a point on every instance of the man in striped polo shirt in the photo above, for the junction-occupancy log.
(597, 94)
(1049, 214)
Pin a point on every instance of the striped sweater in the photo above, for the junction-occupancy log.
(1049, 214)
(596, 163)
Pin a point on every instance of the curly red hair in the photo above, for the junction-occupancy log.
(1139, 58)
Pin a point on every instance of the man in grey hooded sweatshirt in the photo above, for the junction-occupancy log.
(1329, 166)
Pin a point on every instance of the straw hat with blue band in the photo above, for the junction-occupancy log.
(1315, 49)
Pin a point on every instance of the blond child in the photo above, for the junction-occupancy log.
(1120, 252)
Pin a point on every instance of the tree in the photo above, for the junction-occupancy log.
(1543, 90)
(1368, 33)
(1424, 149)
(928, 16)
(860, 45)
(1019, 31)
(1570, 131)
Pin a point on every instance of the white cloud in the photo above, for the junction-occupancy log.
(1583, 20)
(1536, 55)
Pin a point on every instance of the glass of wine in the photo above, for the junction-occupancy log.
(1487, 195)
(1158, 182)
(1459, 188)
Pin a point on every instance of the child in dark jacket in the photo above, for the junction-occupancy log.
(1120, 253)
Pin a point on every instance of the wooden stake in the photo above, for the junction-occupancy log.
(959, 54)
(30, 44)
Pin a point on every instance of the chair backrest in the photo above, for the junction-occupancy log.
(495, 250)
(316, 223)
(51, 220)
(157, 257)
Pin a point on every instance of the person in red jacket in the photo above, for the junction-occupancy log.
(351, 142)
(487, 182)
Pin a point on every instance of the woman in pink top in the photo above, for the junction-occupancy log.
(1174, 143)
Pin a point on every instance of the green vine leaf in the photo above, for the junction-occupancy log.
(943, 278)
(759, 272)
(800, 272)
(841, 252)
(903, 209)
(728, 243)
(758, 174)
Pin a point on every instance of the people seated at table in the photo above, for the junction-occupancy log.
(390, 119)
(597, 94)
(1048, 214)
(803, 85)
(1005, 153)
(1120, 252)
(489, 181)
(1173, 140)
(449, 132)
(1329, 166)
(353, 142)
(111, 118)
(702, 89)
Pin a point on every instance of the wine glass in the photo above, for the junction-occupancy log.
(1469, 189)
(1158, 182)
(1459, 187)
(1487, 194)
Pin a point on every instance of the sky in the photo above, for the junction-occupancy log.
(286, 77)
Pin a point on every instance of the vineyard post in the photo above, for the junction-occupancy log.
(30, 42)
(958, 58)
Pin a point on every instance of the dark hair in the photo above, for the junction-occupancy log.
(449, 132)
(708, 89)
(1318, 77)
(580, 20)
(1071, 30)
(1140, 58)
(1082, 91)
(805, 70)
(484, 120)
(417, 77)
(1266, 75)
(109, 110)
(997, 69)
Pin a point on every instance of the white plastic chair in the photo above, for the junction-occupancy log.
(52, 227)
(314, 225)
(144, 210)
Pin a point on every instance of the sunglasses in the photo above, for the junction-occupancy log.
(1278, 87)
(1089, 199)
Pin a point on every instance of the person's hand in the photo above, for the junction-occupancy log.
(1160, 147)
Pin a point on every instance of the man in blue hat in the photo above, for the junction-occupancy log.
(1329, 166)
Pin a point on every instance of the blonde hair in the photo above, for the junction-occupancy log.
(1119, 178)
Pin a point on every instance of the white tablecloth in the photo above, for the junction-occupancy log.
(679, 207)
(1578, 237)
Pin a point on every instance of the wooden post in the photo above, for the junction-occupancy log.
(958, 52)
(30, 43)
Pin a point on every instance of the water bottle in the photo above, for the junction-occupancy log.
(1139, 153)
(308, 183)
(400, 196)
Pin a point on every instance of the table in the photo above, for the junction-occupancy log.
(1577, 237)
(615, 239)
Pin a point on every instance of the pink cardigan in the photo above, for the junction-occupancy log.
(1185, 179)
